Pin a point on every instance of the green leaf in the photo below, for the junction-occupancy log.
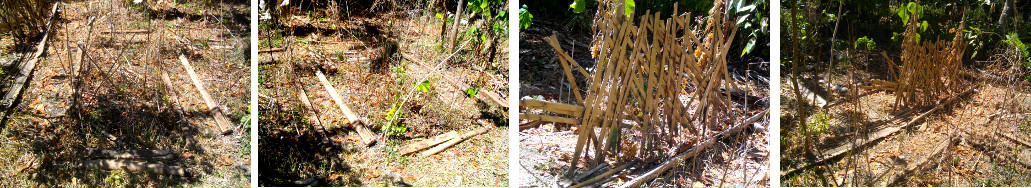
(471, 92)
(923, 26)
(424, 86)
(748, 47)
(630, 7)
(577, 6)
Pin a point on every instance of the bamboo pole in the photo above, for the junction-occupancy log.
(224, 125)
(455, 140)
(367, 137)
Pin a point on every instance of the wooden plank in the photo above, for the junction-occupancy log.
(367, 137)
(432, 141)
(94, 153)
(680, 158)
(131, 31)
(456, 140)
(270, 50)
(224, 125)
(877, 136)
(134, 166)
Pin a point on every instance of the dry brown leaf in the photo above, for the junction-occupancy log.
(334, 177)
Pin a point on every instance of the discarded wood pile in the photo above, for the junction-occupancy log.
(929, 71)
(657, 83)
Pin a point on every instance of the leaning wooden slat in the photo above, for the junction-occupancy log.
(680, 158)
(432, 141)
(553, 41)
(366, 135)
(94, 153)
(548, 118)
(134, 166)
(224, 125)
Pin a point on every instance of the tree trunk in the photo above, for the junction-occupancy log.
(454, 27)
(1007, 10)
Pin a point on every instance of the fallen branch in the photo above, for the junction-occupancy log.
(461, 86)
(367, 138)
(680, 158)
(877, 136)
(432, 141)
(995, 154)
(224, 125)
(454, 141)
(94, 153)
(134, 166)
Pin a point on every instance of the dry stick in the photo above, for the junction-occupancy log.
(309, 108)
(367, 137)
(270, 50)
(134, 166)
(225, 126)
(432, 141)
(491, 95)
(29, 67)
(922, 163)
(1014, 139)
(454, 141)
(877, 136)
(94, 153)
(679, 159)
(984, 149)
(604, 175)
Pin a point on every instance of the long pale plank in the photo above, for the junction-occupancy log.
(432, 141)
(21, 81)
(367, 137)
(224, 125)
(133, 166)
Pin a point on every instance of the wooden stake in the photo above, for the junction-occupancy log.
(367, 137)
(224, 125)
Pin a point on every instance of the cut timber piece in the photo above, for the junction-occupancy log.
(134, 166)
(680, 158)
(432, 141)
(565, 109)
(548, 118)
(224, 125)
(603, 175)
(366, 135)
(452, 142)
(94, 153)
(461, 86)
(21, 81)
(1014, 139)
(875, 137)
(920, 164)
